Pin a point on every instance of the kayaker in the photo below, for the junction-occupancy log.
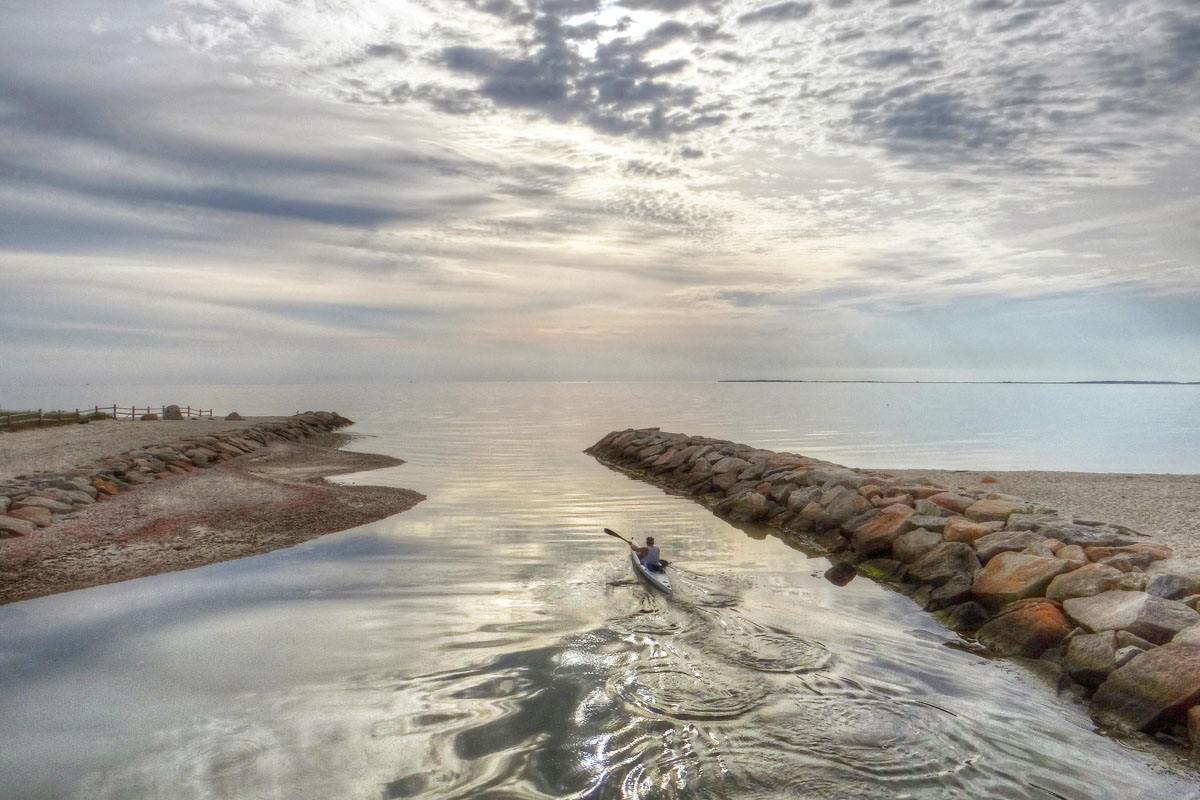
(648, 555)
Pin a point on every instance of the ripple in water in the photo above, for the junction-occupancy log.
(685, 693)
(223, 754)
(771, 651)
(882, 745)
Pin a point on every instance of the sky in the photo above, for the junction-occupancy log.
(280, 190)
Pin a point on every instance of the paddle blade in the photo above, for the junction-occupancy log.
(614, 533)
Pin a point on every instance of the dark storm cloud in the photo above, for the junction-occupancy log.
(777, 12)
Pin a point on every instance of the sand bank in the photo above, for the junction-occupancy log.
(270, 499)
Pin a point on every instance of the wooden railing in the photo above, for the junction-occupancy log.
(28, 419)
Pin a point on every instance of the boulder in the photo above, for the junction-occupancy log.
(953, 502)
(172, 413)
(1015, 576)
(1154, 619)
(1029, 522)
(36, 501)
(234, 416)
(1025, 628)
(1127, 562)
(842, 508)
(749, 506)
(911, 546)
(1193, 730)
(964, 617)
(1004, 542)
(1085, 535)
(1173, 587)
(1072, 552)
(1134, 581)
(105, 487)
(799, 498)
(953, 592)
(926, 521)
(13, 526)
(988, 510)
(877, 534)
(1189, 635)
(1091, 658)
(1156, 552)
(1163, 679)
(841, 573)
(148, 417)
(41, 517)
(928, 508)
(1039, 549)
(1088, 580)
(945, 562)
(961, 529)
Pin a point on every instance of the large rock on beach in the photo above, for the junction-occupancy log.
(172, 413)
(1025, 628)
(1156, 552)
(35, 515)
(1009, 577)
(911, 546)
(994, 510)
(875, 535)
(844, 506)
(1069, 532)
(1154, 619)
(1091, 657)
(945, 562)
(998, 542)
(1165, 679)
(953, 502)
(36, 501)
(1173, 587)
(1088, 580)
(961, 529)
(13, 526)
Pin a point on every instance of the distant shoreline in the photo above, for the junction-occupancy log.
(990, 383)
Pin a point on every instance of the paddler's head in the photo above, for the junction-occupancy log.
(649, 540)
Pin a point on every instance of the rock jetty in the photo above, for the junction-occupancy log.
(1023, 580)
(29, 502)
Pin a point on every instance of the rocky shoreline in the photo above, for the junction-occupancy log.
(1020, 579)
(190, 501)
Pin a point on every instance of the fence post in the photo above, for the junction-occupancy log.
(10, 421)
(59, 415)
(114, 410)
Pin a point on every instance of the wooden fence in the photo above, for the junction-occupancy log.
(29, 419)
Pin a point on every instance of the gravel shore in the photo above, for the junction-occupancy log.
(267, 500)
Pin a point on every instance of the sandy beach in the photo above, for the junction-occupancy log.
(1165, 508)
(253, 504)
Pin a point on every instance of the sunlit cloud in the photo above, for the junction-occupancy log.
(598, 188)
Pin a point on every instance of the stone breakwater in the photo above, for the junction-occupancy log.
(36, 500)
(1022, 580)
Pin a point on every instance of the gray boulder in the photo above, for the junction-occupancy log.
(926, 521)
(11, 527)
(1091, 658)
(1134, 695)
(173, 413)
(909, 547)
(993, 544)
(1088, 580)
(1173, 587)
(944, 562)
(1154, 619)
(964, 617)
(1069, 532)
(844, 507)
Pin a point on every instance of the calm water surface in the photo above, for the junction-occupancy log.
(492, 643)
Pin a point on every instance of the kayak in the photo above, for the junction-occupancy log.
(658, 580)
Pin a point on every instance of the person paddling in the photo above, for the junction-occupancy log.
(649, 555)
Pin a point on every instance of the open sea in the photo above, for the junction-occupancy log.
(493, 643)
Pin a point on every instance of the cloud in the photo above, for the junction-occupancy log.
(777, 12)
(619, 90)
